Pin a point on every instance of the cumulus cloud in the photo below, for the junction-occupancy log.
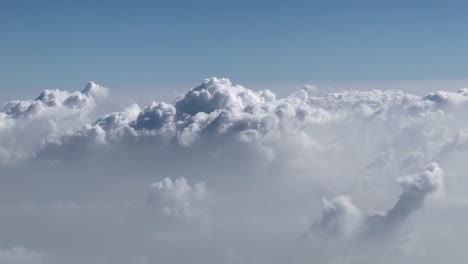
(416, 188)
(448, 98)
(265, 159)
(341, 218)
(177, 198)
(55, 102)
(24, 124)
(217, 106)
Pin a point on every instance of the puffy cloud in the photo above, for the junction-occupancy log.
(342, 219)
(264, 158)
(55, 103)
(157, 116)
(25, 124)
(215, 94)
(448, 98)
(95, 90)
(217, 108)
(421, 184)
(416, 188)
(177, 198)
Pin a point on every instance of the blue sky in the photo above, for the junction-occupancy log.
(144, 43)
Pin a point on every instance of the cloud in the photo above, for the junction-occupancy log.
(448, 98)
(82, 174)
(416, 188)
(421, 184)
(218, 109)
(55, 103)
(25, 124)
(342, 219)
(177, 198)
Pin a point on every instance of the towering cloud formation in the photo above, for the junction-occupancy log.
(416, 187)
(216, 108)
(266, 162)
(340, 217)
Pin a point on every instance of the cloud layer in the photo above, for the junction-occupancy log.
(227, 174)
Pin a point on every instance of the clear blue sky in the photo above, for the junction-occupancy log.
(66, 43)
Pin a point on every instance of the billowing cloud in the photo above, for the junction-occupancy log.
(55, 103)
(227, 174)
(177, 198)
(217, 108)
(25, 124)
(448, 98)
(341, 218)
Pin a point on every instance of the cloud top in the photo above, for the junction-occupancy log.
(54, 102)
(217, 108)
(342, 219)
(234, 174)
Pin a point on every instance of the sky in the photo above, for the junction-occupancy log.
(50, 44)
(233, 132)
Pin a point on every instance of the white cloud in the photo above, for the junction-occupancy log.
(342, 219)
(25, 124)
(216, 108)
(428, 181)
(265, 159)
(177, 198)
(55, 103)
(448, 98)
